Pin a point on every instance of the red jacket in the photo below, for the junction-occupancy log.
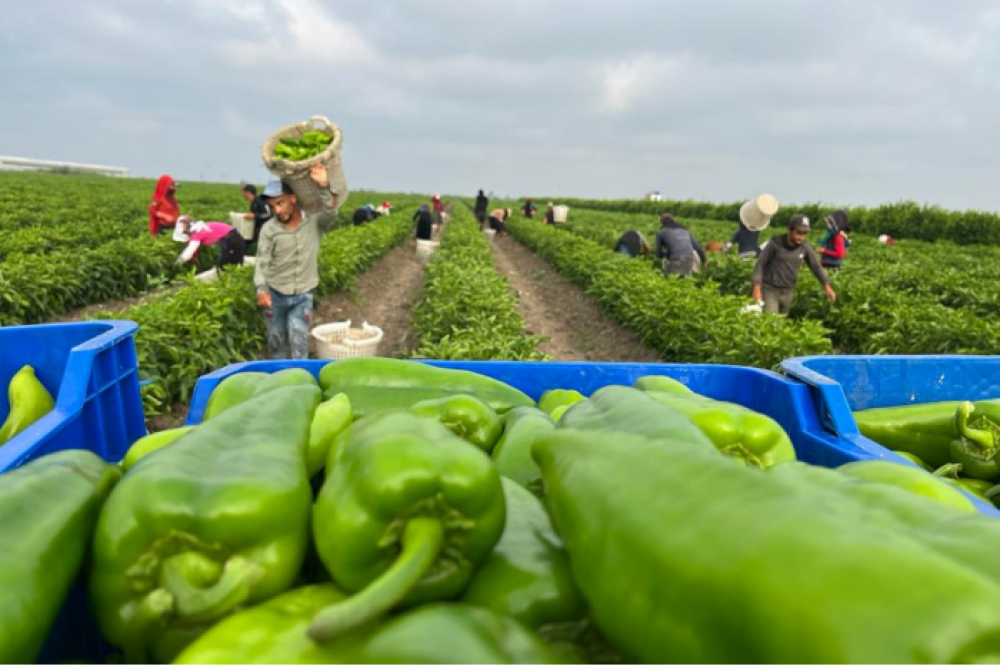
(164, 201)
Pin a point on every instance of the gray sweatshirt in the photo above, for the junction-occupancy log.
(287, 259)
(676, 243)
(778, 265)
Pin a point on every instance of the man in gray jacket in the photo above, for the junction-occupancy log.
(677, 248)
(777, 269)
(287, 271)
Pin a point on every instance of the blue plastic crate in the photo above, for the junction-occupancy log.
(91, 370)
(787, 402)
(841, 385)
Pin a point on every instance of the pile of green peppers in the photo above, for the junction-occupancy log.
(393, 512)
(958, 440)
(310, 144)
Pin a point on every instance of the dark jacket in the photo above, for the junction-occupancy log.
(425, 224)
(747, 241)
(481, 203)
(261, 214)
(633, 241)
(677, 243)
(362, 215)
(779, 263)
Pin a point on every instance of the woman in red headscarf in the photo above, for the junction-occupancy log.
(164, 211)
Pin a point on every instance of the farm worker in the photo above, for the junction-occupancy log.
(498, 220)
(833, 246)
(384, 208)
(425, 223)
(746, 242)
(438, 216)
(364, 214)
(287, 271)
(260, 212)
(550, 213)
(777, 268)
(480, 209)
(528, 209)
(232, 246)
(632, 243)
(677, 248)
(163, 210)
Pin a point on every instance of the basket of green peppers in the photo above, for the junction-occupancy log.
(292, 151)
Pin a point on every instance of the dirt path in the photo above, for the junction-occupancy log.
(554, 307)
(383, 296)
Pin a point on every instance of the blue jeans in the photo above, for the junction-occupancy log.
(288, 325)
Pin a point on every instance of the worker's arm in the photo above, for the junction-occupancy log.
(327, 214)
(760, 268)
(189, 252)
(659, 246)
(262, 264)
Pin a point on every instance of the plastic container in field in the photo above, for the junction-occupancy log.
(242, 225)
(786, 401)
(841, 385)
(90, 369)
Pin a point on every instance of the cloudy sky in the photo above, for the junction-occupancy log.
(845, 101)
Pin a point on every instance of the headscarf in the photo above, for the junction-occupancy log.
(667, 220)
(162, 194)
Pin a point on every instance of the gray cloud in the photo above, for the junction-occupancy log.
(838, 101)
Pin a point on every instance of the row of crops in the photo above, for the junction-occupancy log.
(917, 297)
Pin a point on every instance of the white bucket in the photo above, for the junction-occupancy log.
(560, 214)
(338, 340)
(242, 225)
(425, 249)
(490, 234)
(756, 214)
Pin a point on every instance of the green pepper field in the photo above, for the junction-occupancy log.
(378, 510)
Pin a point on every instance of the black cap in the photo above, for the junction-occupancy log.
(799, 222)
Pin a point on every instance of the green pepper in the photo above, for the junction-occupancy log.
(275, 633)
(468, 417)
(378, 384)
(152, 442)
(231, 391)
(332, 417)
(915, 460)
(217, 519)
(909, 478)
(407, 511)
(925, 430)
(628, 410)
(512, 454)
(47, 513)
(554, 398)
(976, 487)
(527, 576)
(737, 431)
(558, 412)
(283, 378)
(29, 401)
(684, 557)
(661, 384)
(977, 444)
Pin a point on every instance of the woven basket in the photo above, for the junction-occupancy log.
(756, 214)
(425, 249)
(338, 340)
(560, 214)
(296, 174)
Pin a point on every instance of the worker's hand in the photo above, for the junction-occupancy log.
(319, 174)
(756, 293)
(264, 299)
(248, 216)
(830, 293)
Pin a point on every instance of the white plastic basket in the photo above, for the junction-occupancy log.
(490, 234)
(338, 340)
(425, 249)
(242, 225)
(560, 214)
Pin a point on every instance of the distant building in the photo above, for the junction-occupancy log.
(26, 164)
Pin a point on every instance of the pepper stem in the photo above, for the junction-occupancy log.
(154, 609)
(948, 471)
(197, 603)
(422, 541)
(982, 439)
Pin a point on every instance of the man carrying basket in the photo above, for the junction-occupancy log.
(287, 271)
